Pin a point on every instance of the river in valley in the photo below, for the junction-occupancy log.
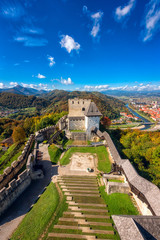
(142, 118)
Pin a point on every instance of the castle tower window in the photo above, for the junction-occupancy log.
(83, 109)
(78, 102)
(72, 102)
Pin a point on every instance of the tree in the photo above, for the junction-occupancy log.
(18, 134)
(106, 122)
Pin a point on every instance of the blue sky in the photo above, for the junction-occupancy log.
(80, 44)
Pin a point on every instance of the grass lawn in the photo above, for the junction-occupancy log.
(115, 180)
(103, 158)
(54, 153)
(12, 154)
(77, 130)
(37, 219)
(119, 203)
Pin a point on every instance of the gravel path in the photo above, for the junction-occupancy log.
(14, 215)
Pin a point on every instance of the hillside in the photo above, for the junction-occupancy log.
(14, 101)
(109, 106)
(57, 101)
(23, 90)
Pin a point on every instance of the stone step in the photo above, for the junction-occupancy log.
(79, 214)
(67, 219)
(67, 227)
(89, 188)
(86, 204)
(79, 184)
(80, 191)
(84, 222)
(85, 229)
(81, 194)
(77, 177)
(66, 235)
(77, 180)
(88, 209)
(104, 224)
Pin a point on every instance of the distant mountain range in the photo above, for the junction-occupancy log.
(23, 90)
(120, 93)
(116, 93)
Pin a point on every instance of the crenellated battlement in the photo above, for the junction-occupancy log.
(11, 171)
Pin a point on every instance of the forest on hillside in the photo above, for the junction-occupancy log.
(142, 149)
(15, 101)
(57, 101)
(109, 106)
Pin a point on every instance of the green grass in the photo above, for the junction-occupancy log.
(69, 142)
(54, 153)
(115, 180)
(37, 219)
(102, 154)
(119, 203)
(11, 155)
(77, 130)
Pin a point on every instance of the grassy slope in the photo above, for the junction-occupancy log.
(54, 153)
(118, 203)
(103, 158)
(16, 152)
(36, 220)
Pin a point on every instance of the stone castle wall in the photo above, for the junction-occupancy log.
(76, 123)
(16, 187)
(91, 122)
(10, 172)
(78, 106)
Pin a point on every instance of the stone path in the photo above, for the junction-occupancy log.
(87, 216)
(14, 215)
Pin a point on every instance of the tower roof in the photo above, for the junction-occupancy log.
(92, 110)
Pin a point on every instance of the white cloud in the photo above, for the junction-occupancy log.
(66, 81)
(85, 9)
(95, 30)
(51, 61)
(12, 9)
(96, 88)
(122, 12)
(32, 30)
(31, 42)
(139, 87)
(152, 20)
(96, 19)
(69, 44)
(16, 64)
(69, 64)
(40, 86)
(2, 85)
(13, 84)
(40, 76)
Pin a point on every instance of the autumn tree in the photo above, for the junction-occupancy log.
(18, 134)
(106, 122)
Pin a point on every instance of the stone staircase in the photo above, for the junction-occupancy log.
(87, 216)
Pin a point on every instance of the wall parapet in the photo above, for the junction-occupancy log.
(15, 188)
(11, 171)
